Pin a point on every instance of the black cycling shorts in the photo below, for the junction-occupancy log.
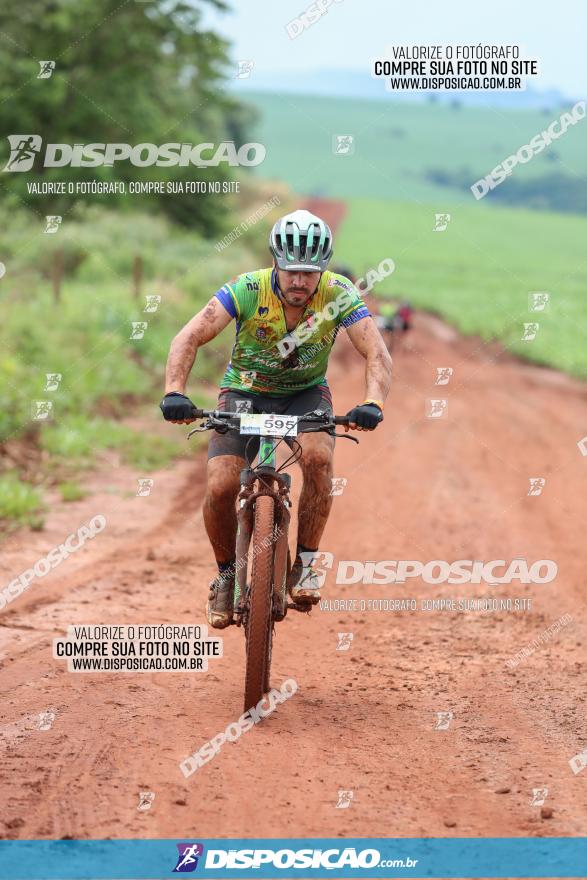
(309, 400)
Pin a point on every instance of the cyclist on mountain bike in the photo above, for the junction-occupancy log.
(287, 318)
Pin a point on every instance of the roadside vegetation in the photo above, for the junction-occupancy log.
(73, 351)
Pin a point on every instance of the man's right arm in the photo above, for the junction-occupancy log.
(203, 327)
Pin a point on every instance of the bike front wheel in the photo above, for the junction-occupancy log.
(259, 622)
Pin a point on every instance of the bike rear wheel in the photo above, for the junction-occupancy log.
(259, 622)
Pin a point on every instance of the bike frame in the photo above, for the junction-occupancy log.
(258, 608)
(263, 479)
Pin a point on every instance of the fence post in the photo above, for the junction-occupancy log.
(137, 274)
(57, 274)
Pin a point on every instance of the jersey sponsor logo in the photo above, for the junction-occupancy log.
(336, 282)
(262, 310)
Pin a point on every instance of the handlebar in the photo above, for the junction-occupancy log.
(318, 418)
(310, 422)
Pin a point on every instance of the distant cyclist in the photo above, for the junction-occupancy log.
(400, 321)
(301, 305)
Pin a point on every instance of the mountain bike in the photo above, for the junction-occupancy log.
(262, 532)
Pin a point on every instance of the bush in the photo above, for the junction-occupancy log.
(20, 502)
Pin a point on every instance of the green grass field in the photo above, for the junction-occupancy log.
(85, 337)
(395, 145)
(479, 272)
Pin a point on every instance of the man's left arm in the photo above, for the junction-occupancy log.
(368, 341)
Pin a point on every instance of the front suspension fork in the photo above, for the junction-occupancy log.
(280, 564)
(244, 530)
(245, 525)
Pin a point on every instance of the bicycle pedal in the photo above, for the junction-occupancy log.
(302, 607)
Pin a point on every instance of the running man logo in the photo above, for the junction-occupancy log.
(53, 223)
(23, 149)
(344, 641)
(146, 799)
(138, 329)
(578, 762)
(538, 301)
(539, 795)
(46, 719)
(53, 380)
(443, 375)
(312, 559)
(187, 860)
(530, 331)
(345, 797)
(41, 410)
(245, 69)
(153, 302)
(145, 486)
(441, 222)
(47, 68)
(343, 144)
(537, 484)
(247, 377)
(243, 406)
(443, 720)
(338, 485)
(436, 408)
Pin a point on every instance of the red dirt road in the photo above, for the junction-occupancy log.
(332, 211)
(363, 719)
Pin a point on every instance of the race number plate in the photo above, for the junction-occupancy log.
(269, 424)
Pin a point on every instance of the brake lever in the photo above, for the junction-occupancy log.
(344, 436)
(207, 426)
(197, 430)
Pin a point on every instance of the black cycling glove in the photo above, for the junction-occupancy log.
(367, 415)
(176, 407)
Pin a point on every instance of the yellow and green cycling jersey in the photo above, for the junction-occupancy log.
(266, 358)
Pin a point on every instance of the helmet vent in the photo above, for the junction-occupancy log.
(301, 241)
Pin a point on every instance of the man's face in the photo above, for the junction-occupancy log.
(297, 287)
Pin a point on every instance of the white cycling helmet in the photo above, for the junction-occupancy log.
(301, 242)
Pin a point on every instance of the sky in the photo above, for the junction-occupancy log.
(354, 32)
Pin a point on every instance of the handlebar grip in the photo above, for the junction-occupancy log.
(197, 413)
(341, 420)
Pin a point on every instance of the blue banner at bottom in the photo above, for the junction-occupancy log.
(273, 858)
